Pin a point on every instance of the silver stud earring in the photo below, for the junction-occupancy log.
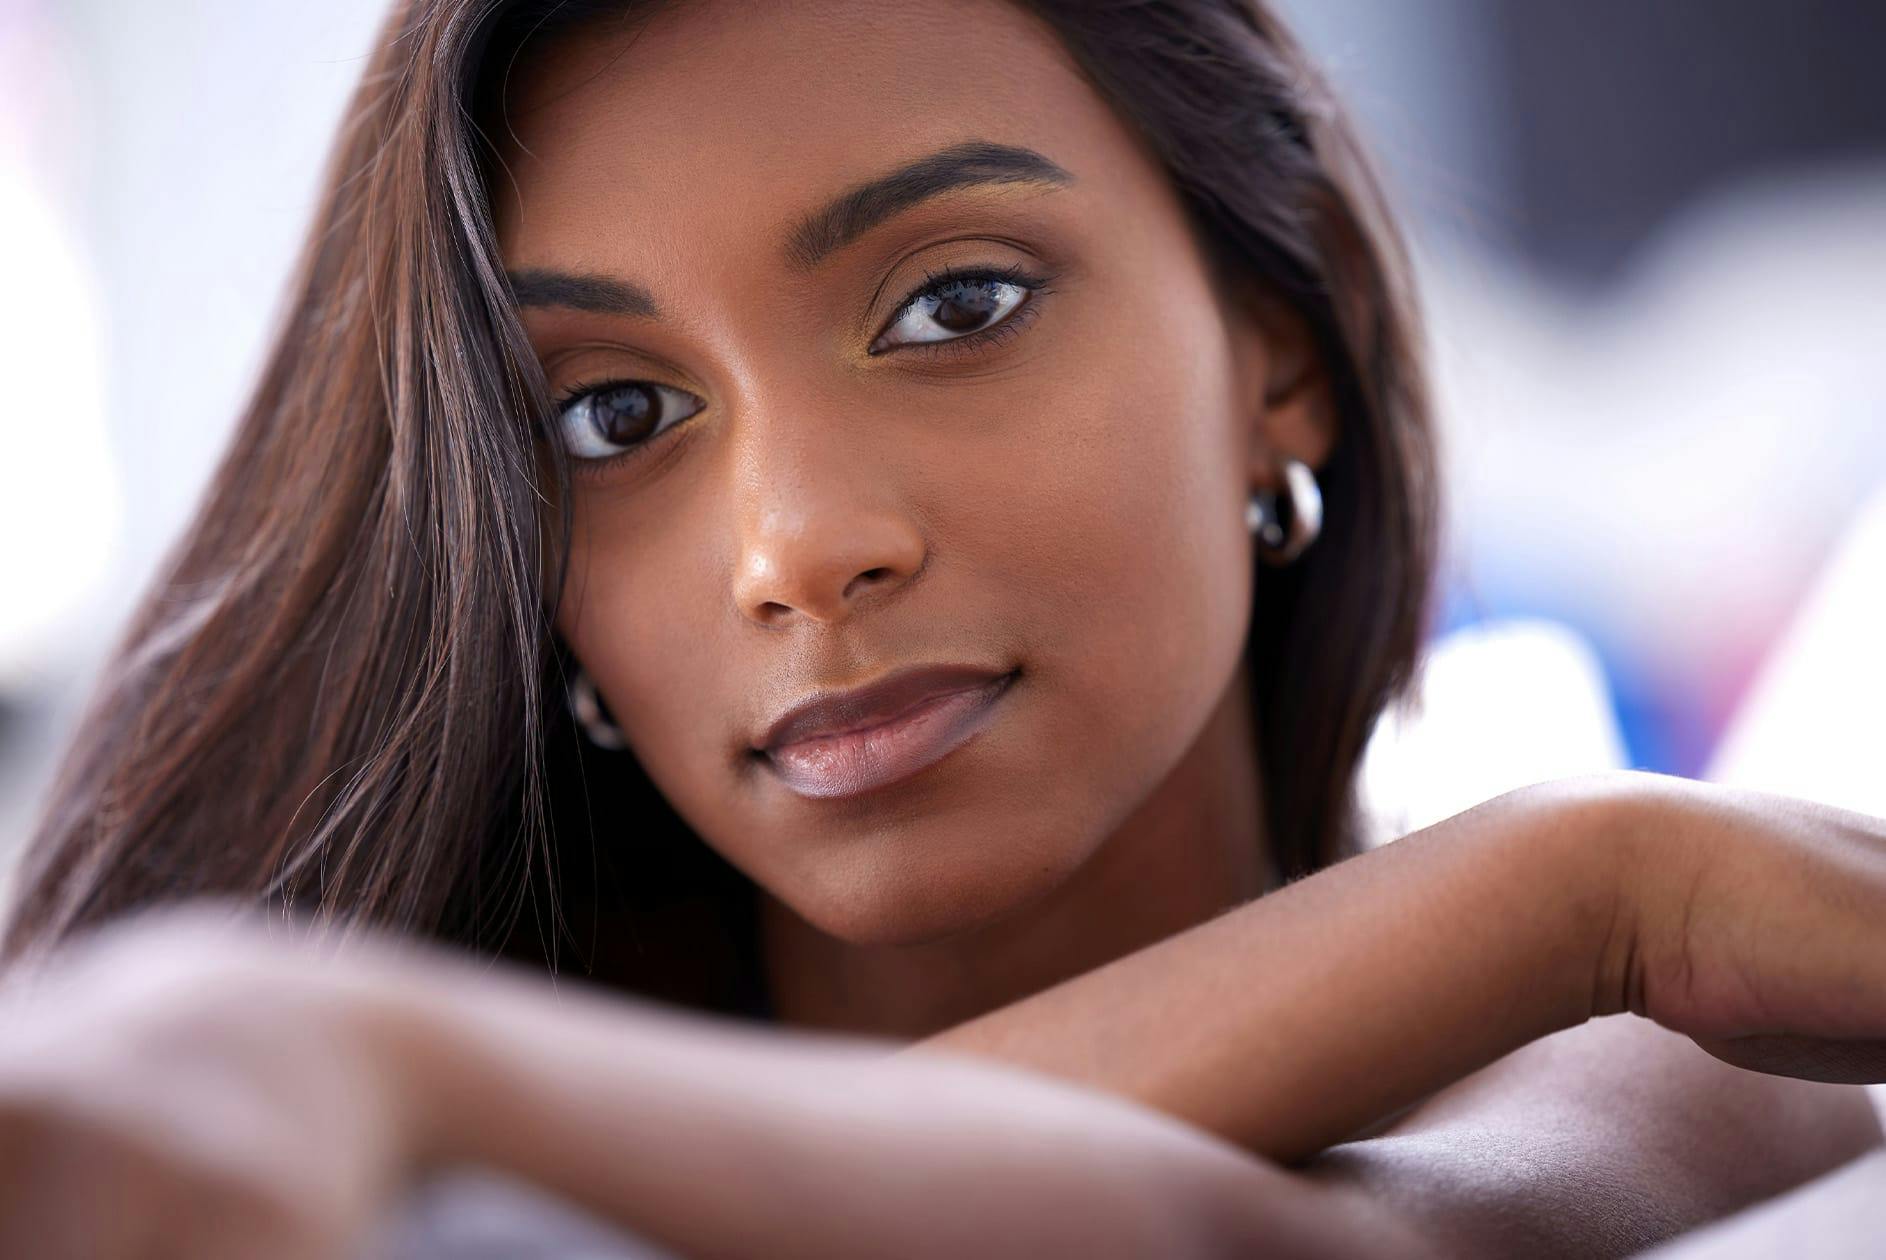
(586, 705)
(1283, 529)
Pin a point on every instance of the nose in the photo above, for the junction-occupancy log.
(822, 527)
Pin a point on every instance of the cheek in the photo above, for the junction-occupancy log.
(1124, 526)
(633, 615)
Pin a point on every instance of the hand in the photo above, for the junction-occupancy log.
(1755, 924)
(181, 1084)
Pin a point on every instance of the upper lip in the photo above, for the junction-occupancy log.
(836, 712)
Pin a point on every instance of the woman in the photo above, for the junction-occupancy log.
(870, 415)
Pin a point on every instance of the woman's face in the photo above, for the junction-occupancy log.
(810, 467)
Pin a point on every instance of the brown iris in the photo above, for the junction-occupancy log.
(624, 415)
(965, 307)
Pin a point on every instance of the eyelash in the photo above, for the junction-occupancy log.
(1036, 286)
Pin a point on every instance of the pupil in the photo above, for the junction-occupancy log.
(966, 308)
(623, 415)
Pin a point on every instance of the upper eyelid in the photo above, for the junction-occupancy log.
(647, 369)
(1034, 284)
(1004, 273)
(1036, 268)
(576, 391)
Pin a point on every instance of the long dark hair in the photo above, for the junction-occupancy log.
(343, 693)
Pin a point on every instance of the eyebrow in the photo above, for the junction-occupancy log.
(540, 287)
(823, 232)
(857, 211)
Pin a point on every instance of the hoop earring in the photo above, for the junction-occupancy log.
(587, 708)
(1285, 528)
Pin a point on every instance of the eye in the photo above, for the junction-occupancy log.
(961, 306)
(612, 418)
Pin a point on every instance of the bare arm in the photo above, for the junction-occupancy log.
(1303, 1018)
(1336, 1006)
(720, 1141)
(1598, 1138)
(231, 1096)
(727, 1141)
(1396, 976)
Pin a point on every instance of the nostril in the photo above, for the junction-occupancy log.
(870, 577)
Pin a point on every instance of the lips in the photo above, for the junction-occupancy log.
(856, 742)
(836, 713)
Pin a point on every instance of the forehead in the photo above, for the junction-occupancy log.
(712, 122)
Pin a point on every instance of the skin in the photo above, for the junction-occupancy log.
(1068, 501)
(232, 1094)
(829, 516)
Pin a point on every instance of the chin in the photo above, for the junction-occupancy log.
(897, 902)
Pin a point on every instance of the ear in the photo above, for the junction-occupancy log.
(1283, 389)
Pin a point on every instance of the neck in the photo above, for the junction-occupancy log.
(1192, 850)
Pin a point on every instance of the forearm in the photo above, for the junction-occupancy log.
(723, 1141)
(1303, 1018)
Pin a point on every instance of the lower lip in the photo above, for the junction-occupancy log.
(861, 761)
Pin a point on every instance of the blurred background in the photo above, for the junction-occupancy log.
(1651, 241)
